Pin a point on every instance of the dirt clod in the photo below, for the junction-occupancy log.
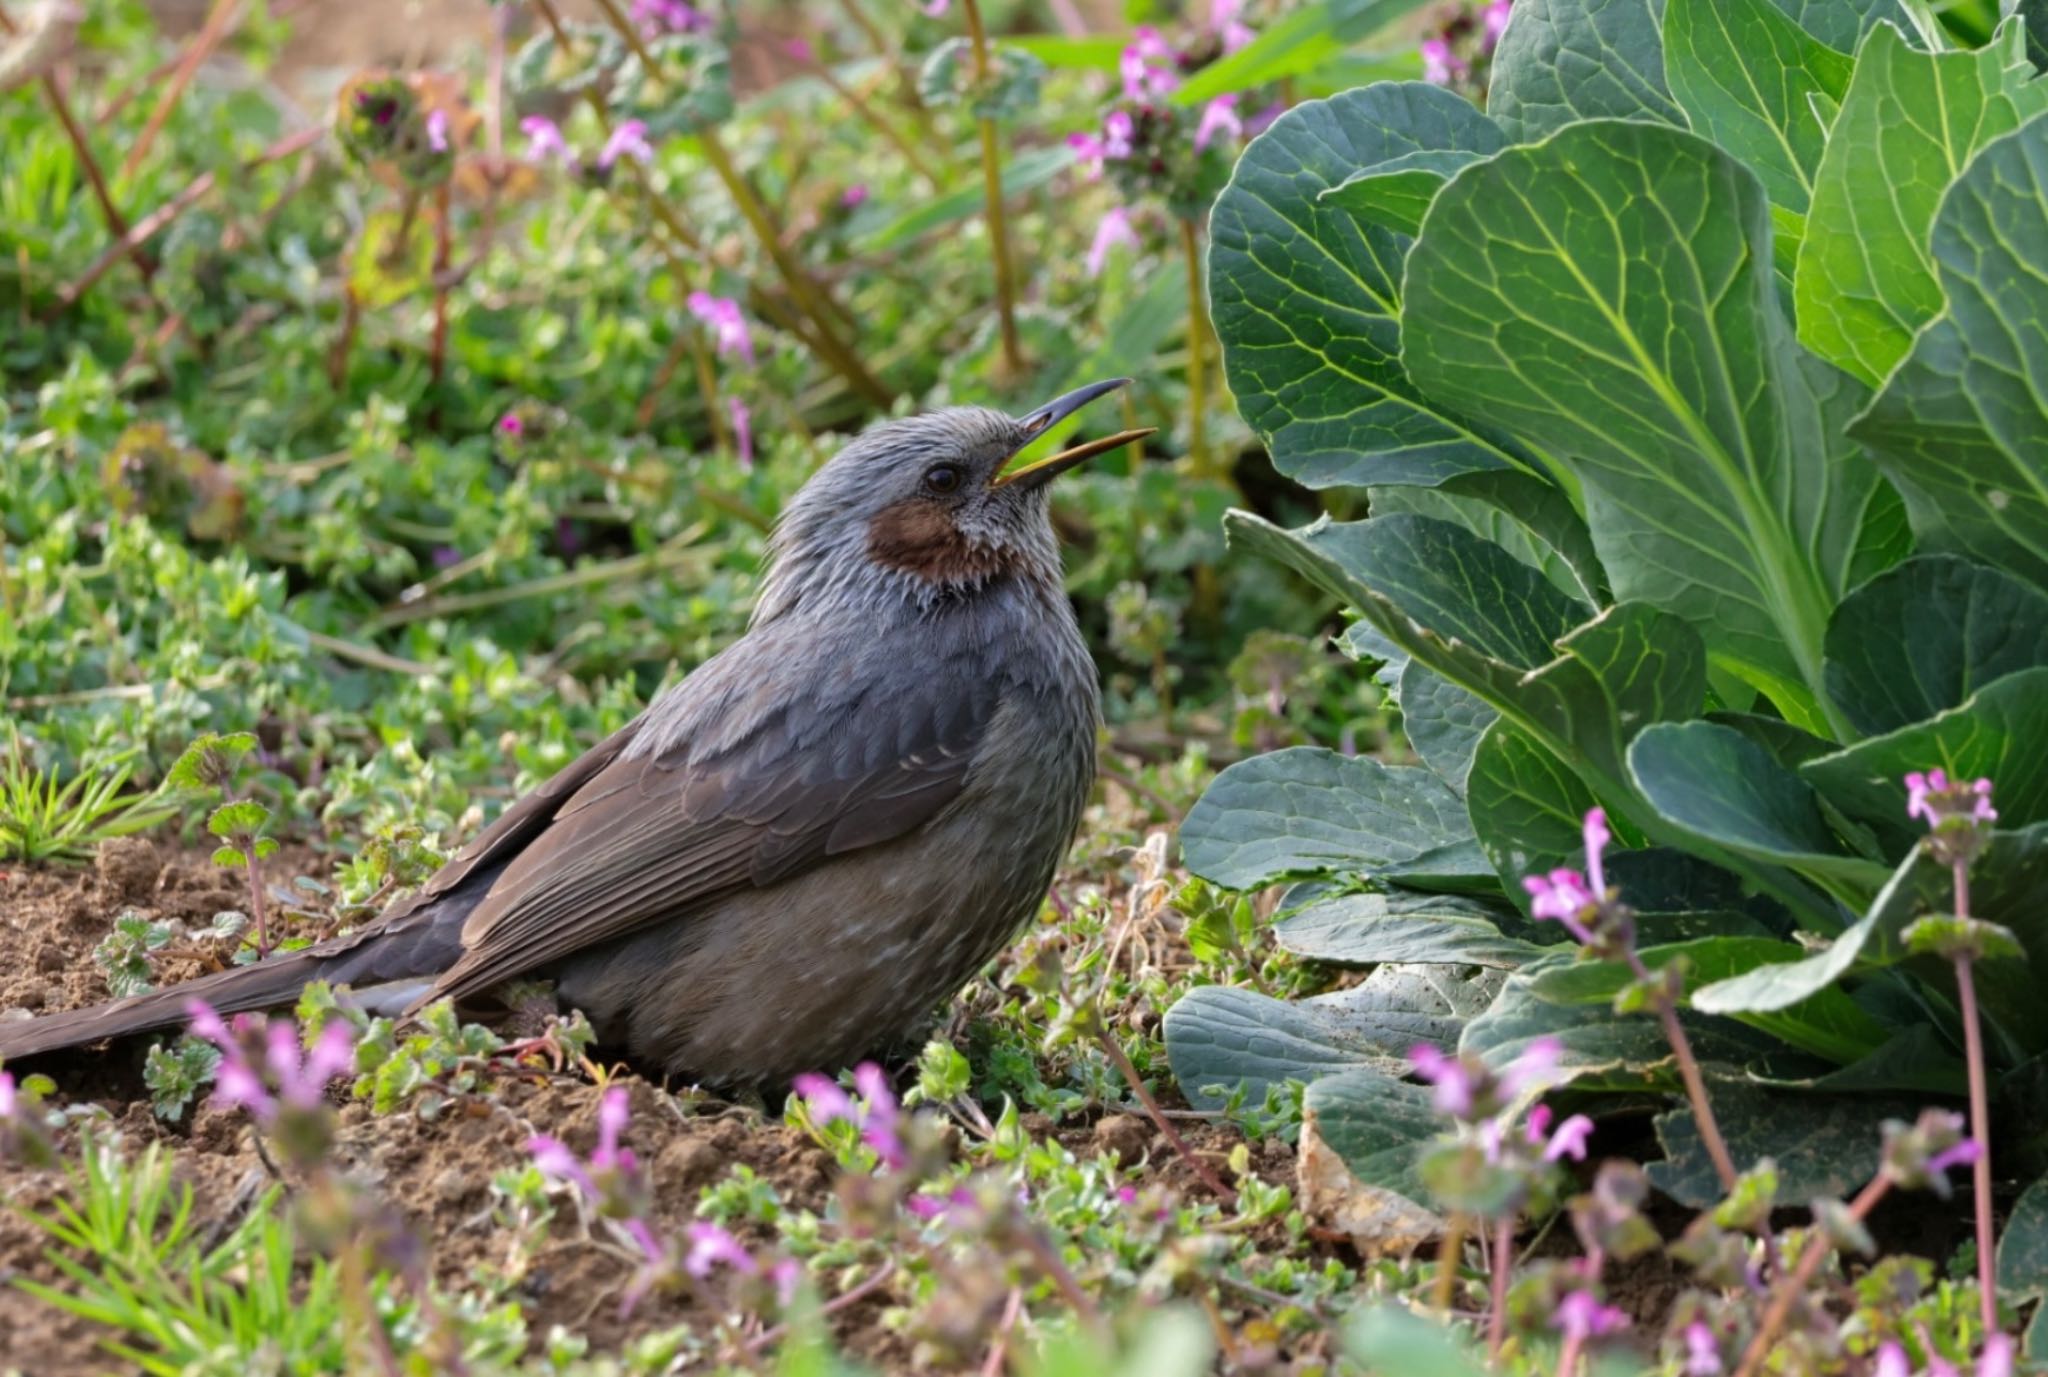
(1127, 1135)
(129, 867)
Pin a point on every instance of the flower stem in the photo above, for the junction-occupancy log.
(992, 182)
(1695, 1084)
(1201, 1169)
(1503, 1260)
(1790, 1289)
(1449, 1254)
(443, 244)
(1980, 1117)
(1198, 362)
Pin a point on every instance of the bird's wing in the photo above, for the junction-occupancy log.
(652, 835)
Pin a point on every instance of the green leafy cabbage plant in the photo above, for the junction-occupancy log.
(1699, 391)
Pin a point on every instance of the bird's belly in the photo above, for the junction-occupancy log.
(815, 972)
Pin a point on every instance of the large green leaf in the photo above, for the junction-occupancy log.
(1376, 1125)
(1921, 638)
(1306, 297)
(1865, 282)
(1419, 929)
(1964, 420)
(1566, 60)
(1607, 294)
(1526, 807)
(2000, 733)
(1840, 23)
(1746, 74)
(1824, 1145)
(1596, 1044)
(1826, 1022)
(1531, 519)
(1221, 1036)
(1460, 607)
(1442, 722)
(1310, 811)
(1396, 194)
(1717, 785)
(2023, 1247)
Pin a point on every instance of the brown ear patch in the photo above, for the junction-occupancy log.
(918, 537)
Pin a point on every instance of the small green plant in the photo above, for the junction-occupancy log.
(176, 1073)
(125, 953)
(42, 820)
(207, 767)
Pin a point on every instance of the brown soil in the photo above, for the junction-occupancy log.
(437, 1170)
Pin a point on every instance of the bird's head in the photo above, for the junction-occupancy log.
(929, 506)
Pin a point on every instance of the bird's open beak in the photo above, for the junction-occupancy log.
(1053, 412)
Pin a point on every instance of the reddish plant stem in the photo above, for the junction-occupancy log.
(154, 223)
(1792, 1287)
(1503, 1265)
(1201, 1169)
(1450, 1253)
(117, 223)
(1980, 1117)
(344, 342)
(220, 19)
(1695, 1084)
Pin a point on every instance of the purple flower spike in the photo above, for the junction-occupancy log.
(510, 424)
(437, 130)
(1227, 26)
(629, 140)
(1997, 1359)
(7, 1097)
(1440, 66)
(656, 17)
(1456, 1087)
(742, 430)
(1561, 895)
(727, 323)
(826, 1101)
(1581, 1316)
(1149, 66)
(712, 1246)
(1219, 116)
(1938, 799)
(544, 141)
(1569, 1140)
(1963, 1154)
(1597, 837)
(1114, 231)
(1702, 1352)
(1892, 1361)
(1496, 22)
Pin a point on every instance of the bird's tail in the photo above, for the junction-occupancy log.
(401, 946)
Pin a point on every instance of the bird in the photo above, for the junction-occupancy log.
(803, 846)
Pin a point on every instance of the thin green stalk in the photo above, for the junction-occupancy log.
(1198, 363)
(992, 184)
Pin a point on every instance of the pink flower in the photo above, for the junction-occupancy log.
(1149, 66)
(1997, 1358)
(936, 9)
(711, 1246)
(555, 1160)
(510, 424)
(1569, 1140)
(742, 430)
(1597, 836)
(1702, 1352)
(1456, 1087)
(1581, 1316)
(1532, 1067)
(629, 140)
(1115, 229)
(1892, 1361)
(1963, 1154)
(786, 1274)
(800, 49)
(727, 323)
(544, 140)
(300, 1078)
(853, 196)
(826, 1101)
(437, 130)
(668, 16)
(1561, 895)
(1497, 21)
(1219, 116)
(7, 1100)
(1440, 66)
(1227, 26)
(1118, 130)
(1938, 799)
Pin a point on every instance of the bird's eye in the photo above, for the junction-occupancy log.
(942, 478)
